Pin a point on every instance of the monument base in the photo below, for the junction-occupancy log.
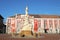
(26, 33)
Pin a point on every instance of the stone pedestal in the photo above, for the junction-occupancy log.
(25, 33)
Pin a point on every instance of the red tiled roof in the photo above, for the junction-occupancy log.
(40, 16)
(46, 16)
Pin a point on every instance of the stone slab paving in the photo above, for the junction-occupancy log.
(42, 37)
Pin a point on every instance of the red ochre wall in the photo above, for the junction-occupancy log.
(35, 25)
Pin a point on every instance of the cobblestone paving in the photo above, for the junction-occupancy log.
(42, 37)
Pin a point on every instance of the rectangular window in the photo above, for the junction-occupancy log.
(59, 25)
(46, 24)
(55, 23)
(35, 25)
(13, 25)
(9, 21)
(50, 23)
(39, 23)
(59, 22)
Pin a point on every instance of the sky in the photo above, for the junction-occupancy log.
(13, 7)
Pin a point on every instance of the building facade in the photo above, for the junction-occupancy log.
(2, 25)
(39, 23)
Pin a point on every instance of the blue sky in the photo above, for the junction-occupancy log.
(12, 7)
